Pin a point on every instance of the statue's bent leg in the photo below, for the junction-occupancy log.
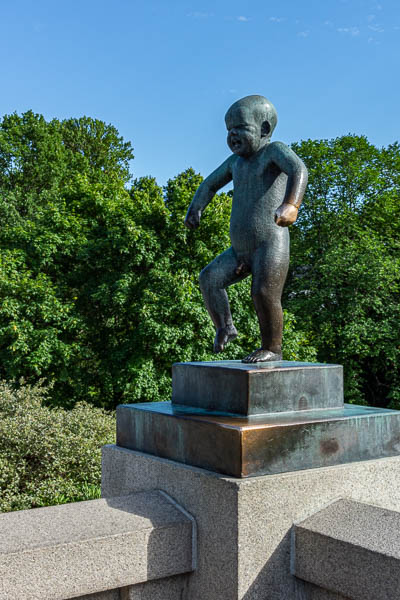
(269, 267)
(214, 278)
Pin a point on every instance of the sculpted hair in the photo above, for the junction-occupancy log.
(262, 109)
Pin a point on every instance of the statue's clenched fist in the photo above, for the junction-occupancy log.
(286, 215)
(192, 219)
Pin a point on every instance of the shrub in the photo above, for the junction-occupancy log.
(48, 455)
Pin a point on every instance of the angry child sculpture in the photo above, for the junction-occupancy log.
(269, 182)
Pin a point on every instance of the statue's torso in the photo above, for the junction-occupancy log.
(259, 188)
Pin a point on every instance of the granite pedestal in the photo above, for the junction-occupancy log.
(244, 525)
(275, 443)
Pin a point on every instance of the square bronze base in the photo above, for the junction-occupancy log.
(261, 444)
(258, 388)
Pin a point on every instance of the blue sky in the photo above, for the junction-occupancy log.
(165, 72)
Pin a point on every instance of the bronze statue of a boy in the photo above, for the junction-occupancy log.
(269, 183)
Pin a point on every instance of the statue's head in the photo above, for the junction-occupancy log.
(250, 123)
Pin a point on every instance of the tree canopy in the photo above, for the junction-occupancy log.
(344, 282)
(99, 280)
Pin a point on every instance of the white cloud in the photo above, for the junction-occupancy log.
(353, 31)
(378, 28)
(243, 19)
(303, 34)
(276, 19)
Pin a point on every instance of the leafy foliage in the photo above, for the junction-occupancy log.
(48, 456)
(344, 282)
(99, 285)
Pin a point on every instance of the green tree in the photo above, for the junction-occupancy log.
(99, 285)
(60, 184)
(344, 280)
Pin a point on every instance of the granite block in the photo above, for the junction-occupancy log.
(169, 588)
(233, 387)
(308, 591)
(350, 548)
(61, 552)
(108, 595)
(245, 525)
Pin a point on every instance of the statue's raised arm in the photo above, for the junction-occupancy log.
(206, 192)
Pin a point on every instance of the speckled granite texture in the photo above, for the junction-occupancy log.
(244, 525)
(67, 551)
(350, 547)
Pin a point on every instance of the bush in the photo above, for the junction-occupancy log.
(48, 455)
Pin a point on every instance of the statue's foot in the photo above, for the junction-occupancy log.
(223, 336)
(261, 355)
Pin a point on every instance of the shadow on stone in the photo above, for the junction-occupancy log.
(268, 583)
(275, 576)
(167, 535)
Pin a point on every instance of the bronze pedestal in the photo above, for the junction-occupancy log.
(250, 441)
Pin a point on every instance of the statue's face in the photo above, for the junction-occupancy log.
(244, 133)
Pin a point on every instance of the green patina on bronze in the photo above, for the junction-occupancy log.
(269, 183)
(262, 444)
(232, 387)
